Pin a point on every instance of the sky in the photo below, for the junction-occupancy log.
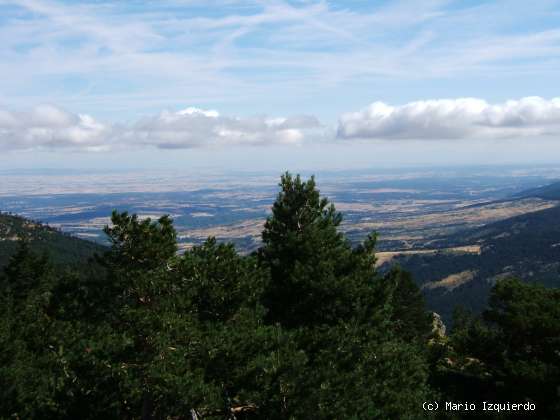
(278, 84)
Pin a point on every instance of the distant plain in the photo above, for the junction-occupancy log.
(410, 208)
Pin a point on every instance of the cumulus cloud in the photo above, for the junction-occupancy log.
(461, 118)
(49, 127)
(194, 127)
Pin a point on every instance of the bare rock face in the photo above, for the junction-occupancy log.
(438, 327)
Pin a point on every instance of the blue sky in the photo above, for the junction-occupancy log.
(278, 83)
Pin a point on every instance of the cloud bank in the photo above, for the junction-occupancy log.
(194, 127)
(48, 127)
(448, 119)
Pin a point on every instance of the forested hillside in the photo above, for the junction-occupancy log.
(306, 327)
(526, 246)
(61, 248)
(547, 192)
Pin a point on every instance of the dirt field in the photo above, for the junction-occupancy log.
(384, 257)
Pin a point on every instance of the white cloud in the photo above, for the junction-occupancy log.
(194, 127)
(461, 118)
(49, 127)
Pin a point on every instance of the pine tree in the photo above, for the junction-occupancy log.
(25, 271)
(344, 317)
(408, 313)
(304, 329)
(511, 351)
(312, 266)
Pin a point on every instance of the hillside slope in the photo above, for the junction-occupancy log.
(525, 246)
(62, 248)
(547, 192)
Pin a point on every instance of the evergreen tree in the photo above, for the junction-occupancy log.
(312, 266)
(526, 322)
(25, 271)
(304, 329)
(36, 380)
(344, 316)
(511, 352)
(139, 244)
(408, 314)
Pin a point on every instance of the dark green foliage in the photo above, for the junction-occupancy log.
(408, 314)
(63, 250)
(301, 250)
(343, 315)
(304, 328)
(526, 321)
(315, 276)
(25, 271)
(37, 345)
(139, 245)
(220, 281)
(523, 246)
(511, 352)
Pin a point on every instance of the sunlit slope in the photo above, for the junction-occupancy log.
(525, 246)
